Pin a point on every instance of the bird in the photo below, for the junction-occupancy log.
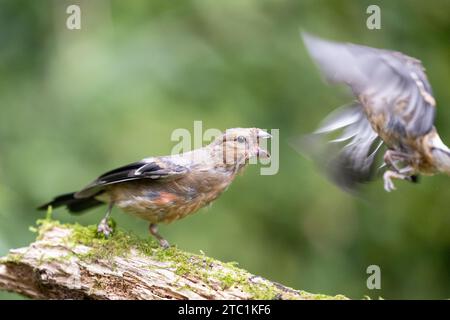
(394, 110)
(163, 189)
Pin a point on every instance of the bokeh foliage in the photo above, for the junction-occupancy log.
(74, 104)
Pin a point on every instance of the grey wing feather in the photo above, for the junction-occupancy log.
(390, 82)
(348, 158)
(150, 170)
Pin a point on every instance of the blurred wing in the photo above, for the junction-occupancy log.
(389, 84)
(146, 169)
(348, 158)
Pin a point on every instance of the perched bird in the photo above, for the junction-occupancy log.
(168, 188)
(394, 108)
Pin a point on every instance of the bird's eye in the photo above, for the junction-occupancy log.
(241, 139)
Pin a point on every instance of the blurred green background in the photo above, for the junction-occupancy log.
(74, 104)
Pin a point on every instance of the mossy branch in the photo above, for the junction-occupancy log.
(71, 261)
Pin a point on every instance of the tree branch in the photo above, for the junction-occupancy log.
(71, 262)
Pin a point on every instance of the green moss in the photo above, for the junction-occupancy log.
(12, 258)
(232, 264)
(209, 270)
(49, 213)
(263, 292)
(119, 244)
(32, 229)
(318, 296)
(44, 225)
(227, 281)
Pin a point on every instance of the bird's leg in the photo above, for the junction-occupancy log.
(391, 157)
(153, 228)
(404, 174)
(103, 227)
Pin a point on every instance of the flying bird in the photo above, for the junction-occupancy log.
(168, 188)
(394, 110)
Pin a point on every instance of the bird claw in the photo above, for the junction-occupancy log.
(405, 174)
(388, 184)
(164, 243)
(104, 228)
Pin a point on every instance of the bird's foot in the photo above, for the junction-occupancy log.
(153, 228)
(389, 175)
(105, 227)
(388, 184)
(164, 243)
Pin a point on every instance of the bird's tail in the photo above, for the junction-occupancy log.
(73, 204)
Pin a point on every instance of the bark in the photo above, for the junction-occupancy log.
(71, 262)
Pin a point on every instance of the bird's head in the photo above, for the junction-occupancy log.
(440, 153)
(236, 146)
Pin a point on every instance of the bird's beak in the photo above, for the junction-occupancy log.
(261, 153)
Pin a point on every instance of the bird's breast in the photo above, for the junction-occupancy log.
(395, 136)
(166, 201)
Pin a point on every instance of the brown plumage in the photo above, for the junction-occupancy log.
(168, 188)
(395, 107)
